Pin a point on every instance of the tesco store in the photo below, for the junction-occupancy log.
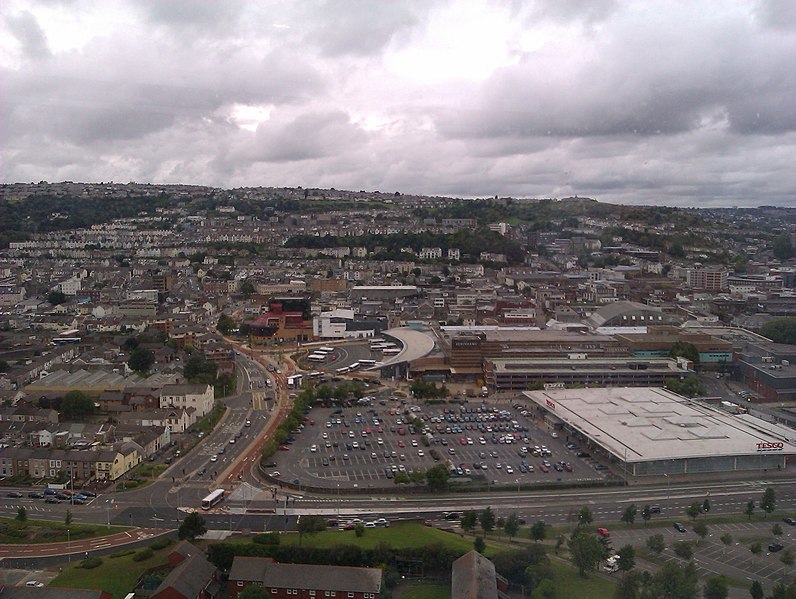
(652, 431)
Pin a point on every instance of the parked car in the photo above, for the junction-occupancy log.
(14, 494)
(603, 532)
(790, 521)
(679, 527)
(52, 499)
(36, 495)
(776, 546)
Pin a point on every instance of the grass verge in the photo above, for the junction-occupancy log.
(570, 585)
(117, 575)
(403, 535)
(14, 532)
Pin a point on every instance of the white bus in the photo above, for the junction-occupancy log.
(294, 381)
(212, 499)
(316, 357)
(367, 362)
(325, 349)
(343, 370)
(353, 366)
(391, 351)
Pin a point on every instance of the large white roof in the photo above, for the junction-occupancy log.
(642, 424)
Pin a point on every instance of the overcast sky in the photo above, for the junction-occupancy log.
(678, 103)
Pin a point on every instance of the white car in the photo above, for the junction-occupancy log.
(325, 435)
(275, 474)
(420, 453)
(314, 448)
(34, 583)
(380, 441)
(213, 458)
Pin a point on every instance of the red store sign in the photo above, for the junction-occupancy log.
(770, 446)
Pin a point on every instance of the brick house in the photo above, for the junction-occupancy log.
(304, 581)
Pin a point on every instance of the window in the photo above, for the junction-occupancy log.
(350, 594)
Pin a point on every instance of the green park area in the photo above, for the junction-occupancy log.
(118, 573)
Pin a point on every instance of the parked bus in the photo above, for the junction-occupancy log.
(214, 498)
(343, 370)
(325, 349)
(316, 357)
(391, 351)
(367, 362)
(294, 381)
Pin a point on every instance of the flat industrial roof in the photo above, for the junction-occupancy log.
(642, 424)
(618, 365)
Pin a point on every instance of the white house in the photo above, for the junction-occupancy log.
(198, 397)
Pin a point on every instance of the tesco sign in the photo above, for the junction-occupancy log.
(550, 404)
(770, 446)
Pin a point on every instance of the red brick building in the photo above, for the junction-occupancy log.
(304, 581)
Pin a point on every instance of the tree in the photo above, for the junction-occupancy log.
(141, 359)
(780, 330)
(627, 558)
(706, 506)
(22, 514)
(487, 519)
(701, 529)
(68, 517)
(683, 550)
(76, 406)
(787, 557)
(309, 525)
(756, 548)
(676, 581)
(247, 287)
(130, 344)
(359, 530)
(437, 477)
(694, 510)
(512, 525)
(769, 501)
(656, 544)
(715, 588)
(726, 539)
(254, 592)
(756, 590)
(479, 545)
(225, 324)
(776, 530)
(646, 514)
(56, 297)
(629, 515)
(584, 516)
(750, 508)
(538, 531)
(192, 526)
(782, 247)
(546, 589)
(685, 350)
(586, 551)
(468, 521)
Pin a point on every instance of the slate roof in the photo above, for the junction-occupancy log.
(306, 576)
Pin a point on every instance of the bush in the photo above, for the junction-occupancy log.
(160, 544)
(91, 562)
(122, 553)
(269, 538)
(143, 555)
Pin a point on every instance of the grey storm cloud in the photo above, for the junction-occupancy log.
(25, 28)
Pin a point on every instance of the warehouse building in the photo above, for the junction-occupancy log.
(650, 431)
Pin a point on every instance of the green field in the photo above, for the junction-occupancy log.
(14, 532)
(570, 585)
(116, 575)
(409, 534)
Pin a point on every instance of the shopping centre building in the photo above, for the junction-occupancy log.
(651, 431)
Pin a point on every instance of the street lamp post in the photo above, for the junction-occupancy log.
(68, 546)
(667, 486)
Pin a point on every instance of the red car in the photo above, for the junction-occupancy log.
(568, 467)
(544, 468)
(603, 532)
(284, 447)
